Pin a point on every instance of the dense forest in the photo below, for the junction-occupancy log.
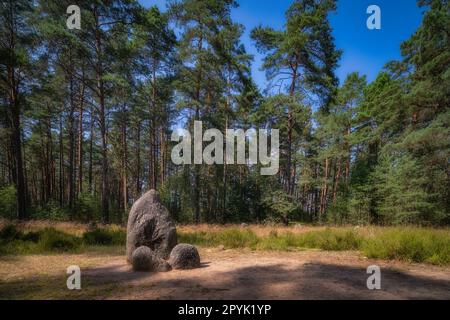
(86, 115)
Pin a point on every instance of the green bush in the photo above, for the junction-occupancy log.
(54, 240)
(97, 237)
(51, 211)
(104, 237)
(280, 205)
(10, 233)
(87, 207)
(31, 236)
(14, 241)
(8, 202)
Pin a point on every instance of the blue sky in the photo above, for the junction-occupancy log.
(364, 50)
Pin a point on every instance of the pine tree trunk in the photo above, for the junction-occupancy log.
(61, 162)
(290, 125)
(102, 122)
(71, 150)
(324, 195)
(138, 161)
(18, 160)
(347, 165)
(49, 153)
(224, 204)
(91, 150)
(14, 116)
(197, 117)
(124, 165)
(80, 141)
(336, 184)
(162, 155)
(152, 155)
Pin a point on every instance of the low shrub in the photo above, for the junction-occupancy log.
(31, 236)
(10, 233)
(14, 241)
(8, 202)
(54, 240)
(104, 237)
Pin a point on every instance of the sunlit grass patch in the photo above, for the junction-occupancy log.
(230, 238)
(14, 241)
(402, 243)
(409, 244)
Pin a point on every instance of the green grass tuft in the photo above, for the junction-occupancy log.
(409, 244)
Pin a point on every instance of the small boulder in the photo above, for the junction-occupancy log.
(161, 266)
(184, 256)
(144, 259)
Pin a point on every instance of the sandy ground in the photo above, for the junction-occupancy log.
(225, 274)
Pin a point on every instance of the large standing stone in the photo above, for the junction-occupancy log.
(150, 225)
(184, 256)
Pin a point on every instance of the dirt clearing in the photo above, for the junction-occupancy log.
(225, 274)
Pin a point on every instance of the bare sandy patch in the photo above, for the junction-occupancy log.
(225, 274)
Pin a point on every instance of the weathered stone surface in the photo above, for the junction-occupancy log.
(144, 259)
(161, 266)
(184, 256)
(150, 225)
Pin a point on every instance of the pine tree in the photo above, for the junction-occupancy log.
(15, 56)
(303, 55)
(200, 81)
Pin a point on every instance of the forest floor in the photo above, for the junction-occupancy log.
(224, 274)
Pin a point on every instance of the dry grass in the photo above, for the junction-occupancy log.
(411, 244)
(72, 228)
(259, 230)
(77, 229)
